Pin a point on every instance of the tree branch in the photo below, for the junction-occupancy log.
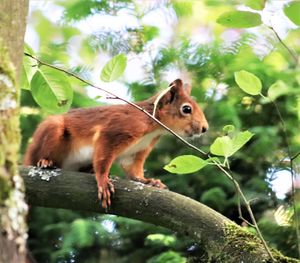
(220, 237)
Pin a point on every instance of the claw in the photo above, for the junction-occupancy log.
(111, 187)
(105, 190)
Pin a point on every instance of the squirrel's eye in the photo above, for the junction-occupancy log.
(186, 109)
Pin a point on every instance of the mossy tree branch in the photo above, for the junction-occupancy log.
(223, 240)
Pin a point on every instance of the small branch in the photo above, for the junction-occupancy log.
(293, 55)
(293, 177)
(295, 156)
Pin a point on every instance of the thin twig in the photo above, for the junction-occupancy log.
(164, 92)
(293, 176)
(291, 167)
(294, 56)
(122, 99)
(295, 156)
(237, 186)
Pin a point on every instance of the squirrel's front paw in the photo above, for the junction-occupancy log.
(105, 190)
(45, 163)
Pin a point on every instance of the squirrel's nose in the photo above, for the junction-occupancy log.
(204, 128)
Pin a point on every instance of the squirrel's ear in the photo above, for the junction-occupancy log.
(177, 84)
(175, 88)
(173, 93)
(188, 88)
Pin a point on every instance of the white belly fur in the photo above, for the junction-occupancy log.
(127, 156)
(84, 155)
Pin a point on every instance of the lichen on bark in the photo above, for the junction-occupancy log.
(12, 205)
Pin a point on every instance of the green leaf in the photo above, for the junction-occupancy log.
(150, 32)
(248, 82)
(51, 90)
(239, 19)
(222, 146)
(292, 11)
(278, 89)
(185, 164)
(226, 146)
(256, 4)
(114, 68)
(182, 8)
(240, 140)
(29, 67)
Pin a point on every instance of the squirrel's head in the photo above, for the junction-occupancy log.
(177, 110)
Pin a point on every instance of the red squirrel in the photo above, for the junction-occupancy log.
(102, 135)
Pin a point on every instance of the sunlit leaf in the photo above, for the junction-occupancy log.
(222, 146)
(276, 60)
(226, 146)
(278, 89)
(185, 164)
(114, 68)
(240, 140)
(256, 4)
(150, 32)
(183, 8)
(29, 67)
(51, 90)
(283, 216)
(248, 82)
(292, 11)
(239, 19)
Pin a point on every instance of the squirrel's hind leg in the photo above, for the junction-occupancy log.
(136, 169)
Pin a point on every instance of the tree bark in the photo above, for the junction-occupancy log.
(12, 205)
(222, 239)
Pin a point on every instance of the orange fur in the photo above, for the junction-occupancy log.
(102, 135)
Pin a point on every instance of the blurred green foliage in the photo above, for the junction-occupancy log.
(209, 54)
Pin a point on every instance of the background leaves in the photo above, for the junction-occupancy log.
(114, 68)
(248, 82)
(292, 11)
(51, 90)
(164, 39)
(239, 19)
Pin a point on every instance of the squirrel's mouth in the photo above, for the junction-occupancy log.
(192, 133)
